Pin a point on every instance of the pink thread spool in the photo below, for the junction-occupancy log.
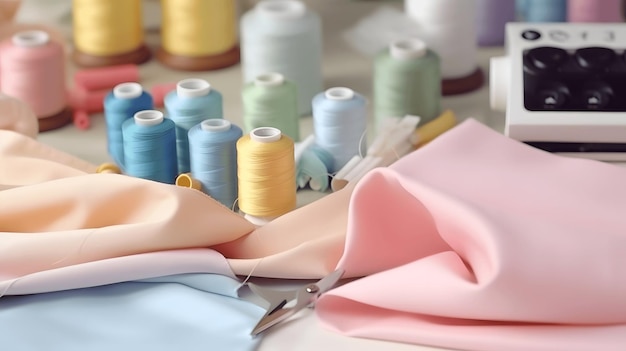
(590, 11)
(159, 91)
(88, 101)
(32, 69)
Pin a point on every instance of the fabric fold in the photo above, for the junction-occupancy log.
(488, 244)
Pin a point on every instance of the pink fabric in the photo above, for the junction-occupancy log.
(477, 242)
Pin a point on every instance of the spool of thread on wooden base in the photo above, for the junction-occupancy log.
(108, 33)
(32, 69)
(198, 35)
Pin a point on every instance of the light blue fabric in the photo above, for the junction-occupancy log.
(185, 312)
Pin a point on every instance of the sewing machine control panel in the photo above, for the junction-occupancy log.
(562, 83)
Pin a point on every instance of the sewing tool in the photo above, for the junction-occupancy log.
(449, 28)
(285, 37)
(198, 35)
(271, 101)
(150, 147)
(120, 105)
(407, 80)
(213, 156)
(339, 123)
(108, 32)
(193, 101)
(491, 18)
(280, 307)
(543, 10)
(393, 142)
(594, 11)
(267, 174)
(32, 69)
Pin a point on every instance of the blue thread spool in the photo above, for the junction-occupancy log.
(192, 102)
(339, 122)
(120, 105)
(538, 11)
(150, 147)
(213, 151)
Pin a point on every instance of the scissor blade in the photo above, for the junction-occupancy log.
(329, 281)
(271, 320)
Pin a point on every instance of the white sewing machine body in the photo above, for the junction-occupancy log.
(563, 87)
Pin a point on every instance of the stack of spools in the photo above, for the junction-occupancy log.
(491, 19)
(449, 28)
(283, 36)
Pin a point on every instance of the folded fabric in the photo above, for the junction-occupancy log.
(479, 242)
(184, 312)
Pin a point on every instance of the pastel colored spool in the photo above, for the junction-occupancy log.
(106, 77)
(159, 92)
(81, 119)
(88, 101)
(108, 33)
(32, 69)
(594, 11)
(541, 11)
(492, 17)
(198, 35)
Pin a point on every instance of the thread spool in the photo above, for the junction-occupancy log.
(267, 177)
(492, 17)
(198, 35)
(449, 28)
(339, 124)
(150, 147)
(193, 101)
(32, 70)
(407, 81)
(537, 11)
(159, 91)
(285, 37)
(120, 105)
(594, 11)
(213, 151)
(271, 101)
(108, 33)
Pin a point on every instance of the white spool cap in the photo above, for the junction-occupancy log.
(281, 9)
(127, 90)
(148, 118)
(30, 38)
(265, 134)
(269, 80)
(215, 125)
(407, 49)
(499, 82)
(193, 87)
(339, 93)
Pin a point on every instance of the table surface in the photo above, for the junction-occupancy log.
(342, 66)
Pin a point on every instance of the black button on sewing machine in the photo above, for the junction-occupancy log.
(595, 58)
(547, 58)
(531, 34)
(597, 95)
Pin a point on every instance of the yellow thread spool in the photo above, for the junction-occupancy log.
(198, 35)
(108, 32)
(267, 176)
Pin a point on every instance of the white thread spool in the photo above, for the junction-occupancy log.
(449, 28)
(283, 36)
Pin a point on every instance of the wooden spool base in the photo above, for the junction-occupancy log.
(463, 85)
(138, 56)
(56, 121)
(201, 63)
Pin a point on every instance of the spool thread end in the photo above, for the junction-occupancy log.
(193, 87)
(129, 90)
(339, 93)
(406, 49)
(265, 134)
(215, 125)
(148, 118)
(269, 80)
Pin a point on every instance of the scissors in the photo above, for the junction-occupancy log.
(304, 296)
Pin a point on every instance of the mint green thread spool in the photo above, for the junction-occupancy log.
(407, 81)
(271, 101)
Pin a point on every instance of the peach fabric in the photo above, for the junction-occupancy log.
(18, 117)
(478, 242)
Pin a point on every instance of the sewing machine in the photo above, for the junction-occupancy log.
(563, 88)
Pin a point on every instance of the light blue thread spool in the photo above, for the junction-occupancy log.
(213, 151)
(192, 102)
(120, 105)
(150, 147)
(537, 11)
(339, 123)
